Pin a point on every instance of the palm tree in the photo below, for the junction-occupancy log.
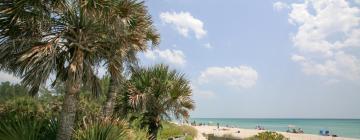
(157, 93)
(135, 39)
(68, 38)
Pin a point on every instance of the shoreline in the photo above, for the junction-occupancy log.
(245, 133)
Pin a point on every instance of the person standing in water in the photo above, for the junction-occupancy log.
(218, 125)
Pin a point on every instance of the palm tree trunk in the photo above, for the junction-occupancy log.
(68, 115)
(110, 97)
(153, 130)
(115, 81)
(73, 85)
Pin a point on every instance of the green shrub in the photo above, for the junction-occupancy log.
(228, 136)
(102, 129)
(169, 130)
(26, 128)
(22, 106)
(26, 118)
(268, 136)
(88, 107)
(138, 134)
(50, 129)
(9, 90)
(52, 104)
(31, 107)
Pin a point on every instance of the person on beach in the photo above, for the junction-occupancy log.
(218, 125)
(300, 130)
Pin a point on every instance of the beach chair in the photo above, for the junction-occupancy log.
(324, 132)
(327, 133)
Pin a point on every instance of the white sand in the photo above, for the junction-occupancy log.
(244, 133)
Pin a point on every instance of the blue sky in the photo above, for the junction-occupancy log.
(295, 74)
(262, 58)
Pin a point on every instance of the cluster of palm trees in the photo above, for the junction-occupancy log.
(70, 39)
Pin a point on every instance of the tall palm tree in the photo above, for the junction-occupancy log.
(137, 33)
(158, 93)
(68, 38)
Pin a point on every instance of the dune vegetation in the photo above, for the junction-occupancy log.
(56, 48)
(169, 130)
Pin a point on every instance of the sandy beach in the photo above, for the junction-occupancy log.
(244, 133)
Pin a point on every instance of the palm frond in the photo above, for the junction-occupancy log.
(159, 93)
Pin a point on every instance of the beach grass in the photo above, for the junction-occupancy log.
(169, 130)
(268, 135)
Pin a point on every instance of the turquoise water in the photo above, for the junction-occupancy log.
(341, 127)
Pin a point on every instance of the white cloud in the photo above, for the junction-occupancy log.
(238, 77)
(175, 57)
(184, 22)
(208, 46)
(341, 65)
(278, 6)
(8, 77)
(298, 58)
(329, 28)
(326, 29)
(150, 54)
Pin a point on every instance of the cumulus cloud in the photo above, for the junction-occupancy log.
(334, 25)
(341, 65)
(298, 58)
(278, 6)
(175, 57)
(8, 77)
(327, 29)
(238, 77)
(184, 22)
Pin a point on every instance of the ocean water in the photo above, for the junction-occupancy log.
(341, 127)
